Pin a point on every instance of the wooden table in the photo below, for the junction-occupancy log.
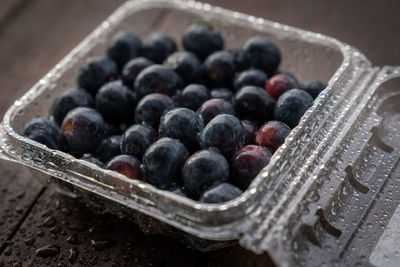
(35, 35)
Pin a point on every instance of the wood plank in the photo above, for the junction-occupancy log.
(17, 193)
(39, 36)
(368, 25)
(105, 240)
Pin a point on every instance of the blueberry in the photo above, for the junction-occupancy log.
(157, 79)
(272, 135)
(239, 58)
(68, 100)
(90, 158)
(133, 68)
(186, 64)
(137, 139)
(313, 87)
(182, 124)
(193, 96)
(111, 129)
(127, 165)
(158, 46)
(214, 107)
(219, 69)
(278, 84)
(220, 193)
(247, 163)
(253, 77)
(123, 47)
(263, 54)
(95, 72)
(82, 130)
(163, 161)
(222, 93)
(291, 106)
(254, 103)
(109, 148)
(44, 131)
(202, 40)
(203, 169)
(250, 129)
(116, 103)
(150, 109)
(225, 132)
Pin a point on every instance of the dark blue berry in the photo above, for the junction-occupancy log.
(292, 105)
(214, 107)
(90, 158)
(219, 69)
(158, 46)
(239, 58)
(313, 87)
(123, 47)
(253, 77)
(150, 109)
(247, 163)
(157, 79)
(186, 64)
(222, 93)
(109, 148)
(202, 40)
(163, 161)
(182, 124)
(133, 68)
(263, 54)
(225, 132)
(116, 103)
(220, 193)
(82, 130)
(95, 72)
(44, 131)
(193, 96)
(203, 169)
(250, 129)
(254, 103)
(137, 139)
(127, 165)
(111, 129)
(68, 100)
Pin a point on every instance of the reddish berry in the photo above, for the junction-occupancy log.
(278, 84)
(247, 163)
(125, 164)
(272, 135)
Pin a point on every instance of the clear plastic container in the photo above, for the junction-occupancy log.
(328, 193)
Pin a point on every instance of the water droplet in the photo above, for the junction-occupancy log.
(40, 233)
(73, 254)
(73, 239)
(47, 251)
(29, 241)
(49, 221)
(8, 252)
(55, 229)
(102, 244)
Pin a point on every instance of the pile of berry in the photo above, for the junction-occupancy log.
(200, 122)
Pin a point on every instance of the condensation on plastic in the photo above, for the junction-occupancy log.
(328, 192)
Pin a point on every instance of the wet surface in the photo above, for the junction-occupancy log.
(84, 238)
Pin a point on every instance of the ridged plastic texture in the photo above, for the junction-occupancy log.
(333, 180)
